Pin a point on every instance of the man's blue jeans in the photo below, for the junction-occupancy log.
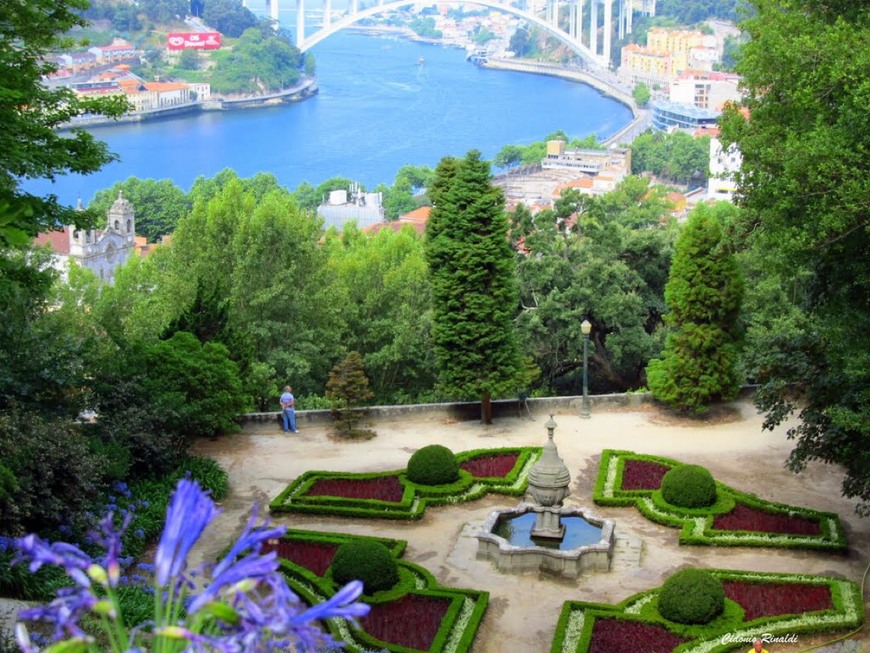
(289, 416)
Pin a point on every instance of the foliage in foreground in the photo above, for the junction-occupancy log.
(245, 597)
(805, 188)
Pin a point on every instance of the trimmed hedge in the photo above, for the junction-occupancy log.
(689, 486)
(691, 596)
(577, 619)
(459, 626)
(368, 561)
(415, 497)
(696, 524)
(433, 465)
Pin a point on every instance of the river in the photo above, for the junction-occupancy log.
(378, 109)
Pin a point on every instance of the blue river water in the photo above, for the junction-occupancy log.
(378, 109)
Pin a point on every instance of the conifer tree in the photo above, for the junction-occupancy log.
(703, 294)
(348, 389)
(474, 286)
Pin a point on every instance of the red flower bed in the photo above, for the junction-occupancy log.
(313, 556)
(774, 599)
(490, 466)
(643, 475)
(611, 635)
(745, 518)
(411, 621)
(384, 488)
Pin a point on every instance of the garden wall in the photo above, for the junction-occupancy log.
(462, 411)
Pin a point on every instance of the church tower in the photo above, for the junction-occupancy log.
(122, 219)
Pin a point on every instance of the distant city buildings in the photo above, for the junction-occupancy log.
(668, 53)
(343, 206)
(724, 165)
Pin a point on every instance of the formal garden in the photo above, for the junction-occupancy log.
(716, 609)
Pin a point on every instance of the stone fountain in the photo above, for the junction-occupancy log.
(542, 534)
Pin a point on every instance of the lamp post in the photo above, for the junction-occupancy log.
(586, 329)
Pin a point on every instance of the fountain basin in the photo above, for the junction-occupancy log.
(506, 539)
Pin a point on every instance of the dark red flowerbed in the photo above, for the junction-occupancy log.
(642, 475)
(491, 466)
(313, 556)
(774, 599)
(411, 621)
(383, 488)
(745, 518)
(610, 635)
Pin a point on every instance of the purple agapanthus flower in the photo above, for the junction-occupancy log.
(243, 604)
(189, 512)
(71, 559)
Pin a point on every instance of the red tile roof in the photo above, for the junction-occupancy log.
(57, 240)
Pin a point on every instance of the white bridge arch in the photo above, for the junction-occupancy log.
(572, 38)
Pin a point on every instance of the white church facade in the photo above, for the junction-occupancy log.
(99, 250)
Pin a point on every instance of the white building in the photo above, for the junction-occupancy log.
(100, 250)
(340, 208)
(724, 164)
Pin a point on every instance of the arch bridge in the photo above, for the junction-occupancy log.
(549, 22)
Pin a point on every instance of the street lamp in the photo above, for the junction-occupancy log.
(586, 329)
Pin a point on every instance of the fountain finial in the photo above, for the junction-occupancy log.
(550, 426)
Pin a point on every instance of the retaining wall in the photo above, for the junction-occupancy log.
(462, 411)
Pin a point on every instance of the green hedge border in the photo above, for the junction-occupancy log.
(458, 628)
(415, 497)
(577, 618)
(696, 525)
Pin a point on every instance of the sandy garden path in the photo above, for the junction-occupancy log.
(523, 609)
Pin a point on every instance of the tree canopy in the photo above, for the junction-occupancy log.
(805, 186)
(703, 295)
(474, 288)
(30, 112)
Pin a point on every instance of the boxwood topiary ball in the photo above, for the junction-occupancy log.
(367, 561)
(433, 465)
(689, 486)
(692, 596)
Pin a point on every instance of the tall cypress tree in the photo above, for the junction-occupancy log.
(703, 294)
(474, 287)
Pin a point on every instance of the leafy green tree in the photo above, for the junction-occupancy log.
(159, 204)
(604, 259)
(30, 112)
(382, 289)
(641, 94)
(474, 287)
(229, 17)
(263, 259)
(195, 386)
(677, 157)
(519, 43)
(126, 18)
(257, 63)
(703, 294)
(56, 476)
(804, 187)
(508, 156)
(348, 390)
(164, 11)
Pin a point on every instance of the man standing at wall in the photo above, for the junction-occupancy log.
(288, 410)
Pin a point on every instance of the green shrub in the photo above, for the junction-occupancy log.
(689, 486)
(433, 465)
(208, 473)
(692, 596)
(367, 561)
